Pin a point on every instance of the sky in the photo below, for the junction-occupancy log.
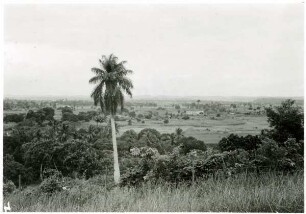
(174, 50)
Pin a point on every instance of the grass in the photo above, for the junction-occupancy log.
(270, 192)
(211, 131)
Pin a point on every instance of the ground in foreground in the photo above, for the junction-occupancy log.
(269, 192)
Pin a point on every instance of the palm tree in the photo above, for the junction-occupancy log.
(198, 101)
(111, 84)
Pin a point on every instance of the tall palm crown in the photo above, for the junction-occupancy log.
(112, 83)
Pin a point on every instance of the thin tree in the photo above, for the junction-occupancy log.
(198, 101)
(111, 84)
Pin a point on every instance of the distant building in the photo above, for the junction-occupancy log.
(195, 112)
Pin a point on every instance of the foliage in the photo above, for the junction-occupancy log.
(16, 118)
(132, 114)
(8, 187)
(234, 141)
(81, 157)
(48, 112)
(66, 109)
(287, 121)
(67, 116)
(111, 79)
(149, 136)
(41, 115)
(12, 169)
(87, 116)
(247, 192)
(177, 168)
(271, 154)
(129, 136)
(189, 143)
(51, 184)
(148, 116)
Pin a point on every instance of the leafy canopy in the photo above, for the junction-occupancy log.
(287, 121)
(112, 83)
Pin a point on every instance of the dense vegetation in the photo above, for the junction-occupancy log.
(54, 154)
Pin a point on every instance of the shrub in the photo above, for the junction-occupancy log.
(148, 116)
(149, 136)
(234, 141)
(66, 109)
(129, 136)
(134, 176)
(189, 143)
(47, 173)
(132, 114)
(67, 116)
(270, 154)
(16, 118)
(166, 121)
(52, 181)
(48, 112)
(8, 187)
(41, 115)
(287, 121)
(186, 117)
(50, 185)
(85, 116)
(12, 169)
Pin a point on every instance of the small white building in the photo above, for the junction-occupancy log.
(195, 112)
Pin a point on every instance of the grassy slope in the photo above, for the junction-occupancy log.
(270, 192)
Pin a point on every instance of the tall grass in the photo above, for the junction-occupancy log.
(269, 192)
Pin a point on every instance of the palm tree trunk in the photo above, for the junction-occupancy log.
(116, 162)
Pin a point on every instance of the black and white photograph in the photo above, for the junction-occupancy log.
(171, 106)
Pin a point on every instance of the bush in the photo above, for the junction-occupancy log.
(67, 116)
(166, 121)
(190, 143)
(66, 109)
(81, 157)
(270, 154)
(41, 115)
(287, 121)
(233, 142)
(86, 116)
(51, 184)
(16, 118)
(149, 136)
(132, 114)
(129, 136)
(149, 116)
(8, 187)
(48, 112)
(47, 173)
(286, 158)
(186, 117)
(12, 169)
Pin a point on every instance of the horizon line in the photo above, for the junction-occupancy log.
(161, 96)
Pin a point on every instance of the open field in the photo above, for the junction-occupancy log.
(211, 131)
(269, 192)
(204, 128)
